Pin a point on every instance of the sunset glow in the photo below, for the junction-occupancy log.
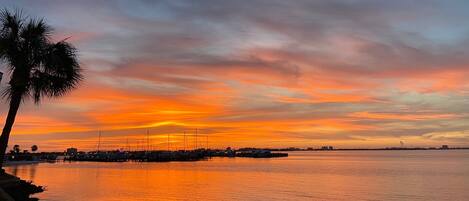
(273, 74)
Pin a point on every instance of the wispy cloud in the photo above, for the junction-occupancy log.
(259, 73)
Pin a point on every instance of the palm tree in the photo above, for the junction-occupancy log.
(16, 149)
(37, 66)
(34, 148)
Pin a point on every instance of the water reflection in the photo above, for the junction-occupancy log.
(395, 175)
(25, 171)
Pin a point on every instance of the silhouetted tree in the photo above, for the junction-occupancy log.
(38, 67)
(34, 148)
(16, 149)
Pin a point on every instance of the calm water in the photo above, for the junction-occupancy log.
(339, 175)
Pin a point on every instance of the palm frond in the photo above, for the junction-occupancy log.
(38, 66)
(36, 29)
(12, 21)
(11, 25)
(60, 72)
(35, 35)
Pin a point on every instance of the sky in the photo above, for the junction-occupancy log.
(350, 74)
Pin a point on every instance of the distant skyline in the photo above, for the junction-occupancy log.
(350, 74)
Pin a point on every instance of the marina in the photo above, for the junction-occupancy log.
(167, 156)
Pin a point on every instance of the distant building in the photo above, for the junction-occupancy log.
(327, 148)
(292, 149)
(71, 151)
(444, 147)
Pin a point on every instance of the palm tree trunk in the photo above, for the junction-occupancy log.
(15, 102)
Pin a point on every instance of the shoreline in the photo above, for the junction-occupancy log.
(199, 155)
(381, 149)
(13, 163)
(168, 156)
(13, 188)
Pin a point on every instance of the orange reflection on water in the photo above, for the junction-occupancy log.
(337, 175)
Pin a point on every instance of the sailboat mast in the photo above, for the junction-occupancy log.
(99, 140)
(196, 138)
(148, 141)
(127, 145)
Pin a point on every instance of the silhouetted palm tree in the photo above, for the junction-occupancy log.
(34, 148)
(38, 67)
(16, 149)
